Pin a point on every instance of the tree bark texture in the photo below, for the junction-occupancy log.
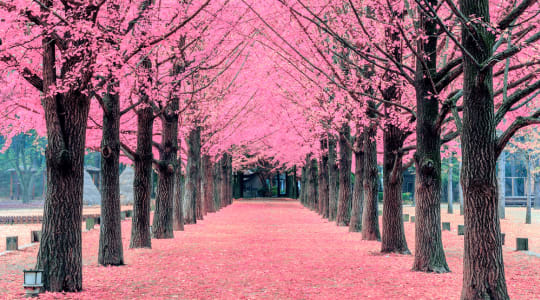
(66, 115)
(217, 185)
(345, 160)
(333, 179)
(230, 180)
(142, 181)
(225, 180)
(429, 254)
(207, 185)
(370, 220)
(178, 214)
(162, 226)
(313, 185)
(483, 267)
(192, 176)
(357, 207)
(110, 231)
(393, 235)
(323, 180)
(303, 183)
(200, 204)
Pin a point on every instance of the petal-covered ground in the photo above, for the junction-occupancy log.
(268, 250)
(23, 231)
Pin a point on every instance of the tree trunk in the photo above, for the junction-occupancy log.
(309, 183)
(345, 159)
(483, 267)
(313, 183)
(110, 230)
(333, 179)
(303, 183)
(142, 181)
(289, 185)
(224, 181)
(323, 180)
(192, 176)
(370, 219)
(295, 184)
(178, 214)
(207, 189)
(230, 179)
(429, 254)
(393, 236)
(162, 226)
(450, 188)
(60, 247)
(358, 192)
(502, 185)
(217, 185)
(66, 115)
(200, 207)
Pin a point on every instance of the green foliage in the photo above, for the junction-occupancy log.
(263, 192)
(274, 191)
(406, 196)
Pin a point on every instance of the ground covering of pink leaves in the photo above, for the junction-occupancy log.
(268, 250)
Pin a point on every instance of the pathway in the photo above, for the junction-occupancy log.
(268, 250)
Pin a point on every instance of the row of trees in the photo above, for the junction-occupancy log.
(410, 77)
(292, 82)
(117, 76)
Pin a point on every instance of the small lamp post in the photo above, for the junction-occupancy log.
(33, 282)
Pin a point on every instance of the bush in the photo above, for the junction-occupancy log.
(406, 196)
(263, 192)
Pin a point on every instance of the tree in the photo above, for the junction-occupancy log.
(483, 274)
(345, 159)
(25, 157)
(357, 206)
(66, 94)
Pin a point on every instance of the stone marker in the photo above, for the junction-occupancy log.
(413, 218)
(35, 236)
(89, 223)
(460, 229)
(405, 218)
(522, 244)
(502, 238)
(446, 226)
(12, 243)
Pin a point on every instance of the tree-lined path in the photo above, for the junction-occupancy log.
(268, 250)
(344, 104)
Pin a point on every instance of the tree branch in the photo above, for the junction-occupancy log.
(519, 123)
(513, 99)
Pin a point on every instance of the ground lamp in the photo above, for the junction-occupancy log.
(33, 282)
